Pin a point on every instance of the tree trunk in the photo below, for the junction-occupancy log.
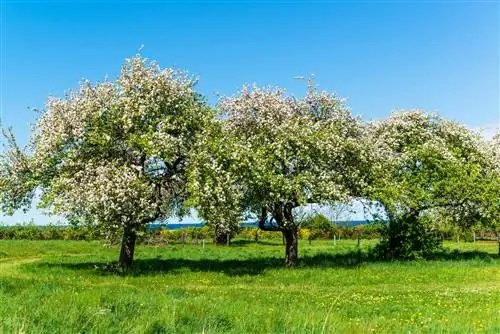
(221, 238)
(127, 249)
(291, 247)
(498, 241)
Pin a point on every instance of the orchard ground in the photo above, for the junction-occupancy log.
(68, 287)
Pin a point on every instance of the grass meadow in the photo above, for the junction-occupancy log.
(66, 287)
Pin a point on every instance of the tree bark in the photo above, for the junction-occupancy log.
(281, 213)
(127, 248)
(291, 247)
(220, 238)
(498, 241)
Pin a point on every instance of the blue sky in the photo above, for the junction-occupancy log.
(381, 55)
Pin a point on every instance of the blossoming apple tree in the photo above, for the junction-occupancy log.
(292, 152)
(111, 154)
(427, 167)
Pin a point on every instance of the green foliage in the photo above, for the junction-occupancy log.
(427, 169)
(407, 237)
(256, 234)
(214, 181)
(317, 221)
(163, 236)
(318, 225)
(49, 232)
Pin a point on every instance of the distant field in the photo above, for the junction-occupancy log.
(64, 287)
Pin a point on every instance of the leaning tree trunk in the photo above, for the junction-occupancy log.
(127, 249)
(291, 247)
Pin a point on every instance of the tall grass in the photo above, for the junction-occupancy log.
(68, 287)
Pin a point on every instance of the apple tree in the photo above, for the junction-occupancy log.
(426, 167)
(292, 152)
(111, 154)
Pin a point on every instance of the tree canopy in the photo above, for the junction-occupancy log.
(427, 165)
(111, 154)
(121, 154)
(292, 152)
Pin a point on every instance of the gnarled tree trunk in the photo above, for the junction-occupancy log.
(291, 247)
(127, 248)
(281, 213)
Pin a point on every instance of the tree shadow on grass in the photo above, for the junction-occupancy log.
(252, 266)
(456, 255)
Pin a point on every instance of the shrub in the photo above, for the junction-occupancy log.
(408, 238)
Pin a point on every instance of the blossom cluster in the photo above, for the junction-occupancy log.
(127, 152)
(429, 165)
(294, 150)
(113, 153)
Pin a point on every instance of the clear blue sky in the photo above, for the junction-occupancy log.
(382, 55)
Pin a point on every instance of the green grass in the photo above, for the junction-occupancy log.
(64, 287)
